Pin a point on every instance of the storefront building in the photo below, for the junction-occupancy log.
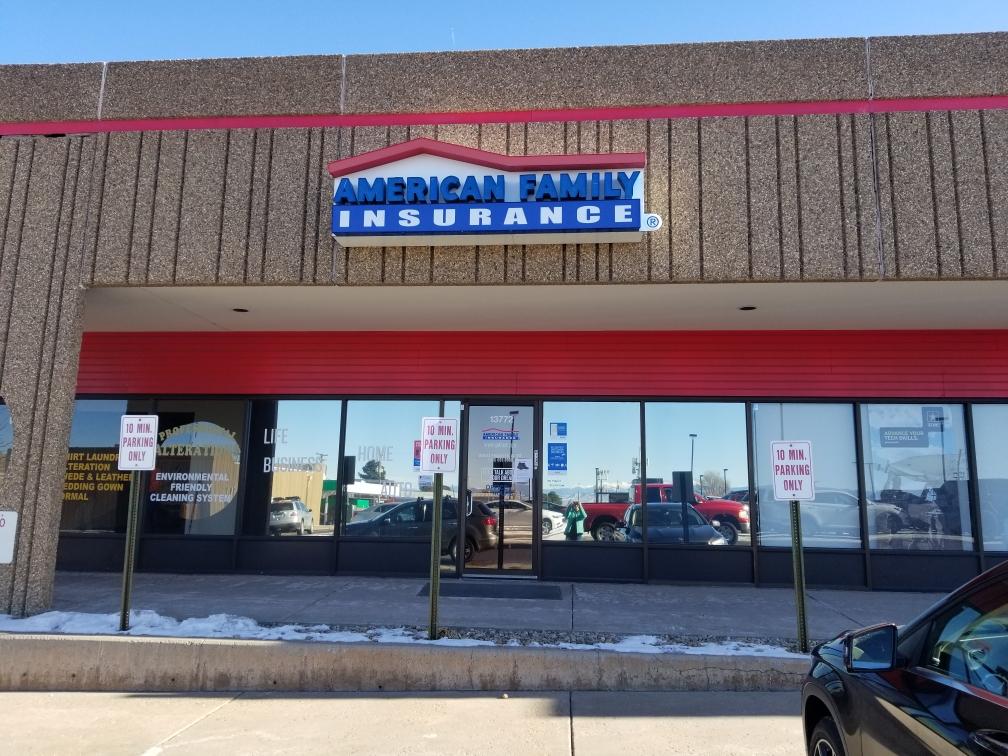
(826, 262)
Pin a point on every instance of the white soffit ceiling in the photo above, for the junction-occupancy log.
(875, 305)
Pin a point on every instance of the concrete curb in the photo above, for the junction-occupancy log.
(112, 663)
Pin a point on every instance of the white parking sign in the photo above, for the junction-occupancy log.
(792, 471)
(8, 529)
(438, 444)
(137, 442)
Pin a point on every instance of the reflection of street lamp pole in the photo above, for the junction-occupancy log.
(726, 481)
(692, 442)
(513, 413)
(600, 475)
(701, 484)
(941, 428)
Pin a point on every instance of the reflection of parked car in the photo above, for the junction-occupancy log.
(374, 511)
(732, 515)
(665, 525)
(936, 685)
(519, 517)
(290, 514)
(412, 519)
(834, 512)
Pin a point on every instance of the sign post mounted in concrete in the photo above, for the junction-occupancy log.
(438, 455)
(793, 482)
(137, 451)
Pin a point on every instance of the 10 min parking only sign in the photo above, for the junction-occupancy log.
(792, 471)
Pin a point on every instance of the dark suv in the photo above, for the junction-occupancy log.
(412, 519)
(936, 685)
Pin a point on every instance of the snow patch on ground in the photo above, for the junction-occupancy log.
(148, 623)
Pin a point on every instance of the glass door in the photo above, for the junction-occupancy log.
(503, 519)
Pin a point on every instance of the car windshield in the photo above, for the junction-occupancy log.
(281, 506)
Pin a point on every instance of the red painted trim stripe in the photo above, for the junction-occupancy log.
(631, 112)
(423, 146)
(741, 364)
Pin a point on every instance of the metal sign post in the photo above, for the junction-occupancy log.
(129, 557)
(438, 454)
(794, 483)
(798, 567)
(435, 568)
(137, 451)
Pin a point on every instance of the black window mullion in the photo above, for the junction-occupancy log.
(862, 494)
(642, 474)
(752, 500)
(340, 493)
(973, 486)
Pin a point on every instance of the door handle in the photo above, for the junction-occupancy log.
(991, 741)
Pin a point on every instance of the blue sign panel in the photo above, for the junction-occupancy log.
(556, 457)
(558, 430)
(905, 437)
(487, 218)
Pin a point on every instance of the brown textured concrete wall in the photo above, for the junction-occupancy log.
(767, 198)
(825, 69)
(487, 80)
(50, 92)
(939, 65)
(43, 206)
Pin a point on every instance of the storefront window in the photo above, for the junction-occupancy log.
(390, 497)
(193, 489)
(916, 476)
(833, 519)
(704, 442)
(6, 441)
(592, 452)
(95, 493)
(989, 423)
(293, 465)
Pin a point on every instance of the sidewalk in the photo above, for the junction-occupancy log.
(485, 723)
(740, 612)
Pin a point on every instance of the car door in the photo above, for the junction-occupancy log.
(953, 693)
(403, 521)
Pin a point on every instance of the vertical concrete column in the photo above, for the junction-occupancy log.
(44, 198)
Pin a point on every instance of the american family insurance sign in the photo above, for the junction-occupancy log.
(424, 192)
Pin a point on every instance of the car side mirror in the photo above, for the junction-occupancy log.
(871, 650)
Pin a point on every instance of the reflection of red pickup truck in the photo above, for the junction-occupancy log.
(732, 516)
(603, 518)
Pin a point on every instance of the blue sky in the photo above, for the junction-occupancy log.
(50, 31)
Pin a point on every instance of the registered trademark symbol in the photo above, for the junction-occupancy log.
(653, 221)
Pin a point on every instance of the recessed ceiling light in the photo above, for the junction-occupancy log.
(747, 308)
(238, 309)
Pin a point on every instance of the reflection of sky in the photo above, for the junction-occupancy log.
(482, 452)
(96, 422)
(989, 424)
(925, 460)
(830, 428)
(599, 434)
(395, 424)
(720, 441)
(312, 428)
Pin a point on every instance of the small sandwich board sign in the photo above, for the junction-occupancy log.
(792, 471)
